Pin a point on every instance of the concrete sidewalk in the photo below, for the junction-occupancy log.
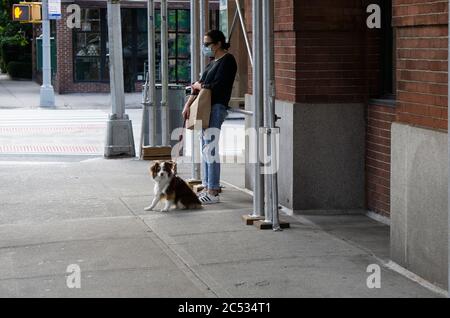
(90, 213)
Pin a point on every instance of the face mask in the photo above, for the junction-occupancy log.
(207, 51)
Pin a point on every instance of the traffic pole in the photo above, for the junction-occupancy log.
(47, 94)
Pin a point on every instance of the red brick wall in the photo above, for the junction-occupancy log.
(285, 42)
(323, 51)
(338, 56)
(378, 157)
(422, 42)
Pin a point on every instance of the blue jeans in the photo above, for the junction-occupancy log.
(210, 148)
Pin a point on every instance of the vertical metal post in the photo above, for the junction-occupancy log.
(244, 31)
(119, 133)
(151, 71)
(115, 59)
(258, 186)
(164, 74)
(271, 190)
(47, 94)
(195, 71)
(204, 26)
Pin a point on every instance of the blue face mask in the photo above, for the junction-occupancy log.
(207, 51)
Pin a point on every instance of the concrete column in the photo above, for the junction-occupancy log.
(119, 135)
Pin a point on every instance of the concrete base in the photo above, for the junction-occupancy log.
(119, 138)
(321, 156)
(47, 96)
(419, 202)
(263, 225)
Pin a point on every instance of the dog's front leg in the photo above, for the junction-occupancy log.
(166, 206)
(154, 203)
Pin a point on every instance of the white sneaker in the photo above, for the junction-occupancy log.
(207, 199)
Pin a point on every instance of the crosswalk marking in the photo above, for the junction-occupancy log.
(52, 132)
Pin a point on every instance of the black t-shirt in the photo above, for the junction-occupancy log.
(220, 78)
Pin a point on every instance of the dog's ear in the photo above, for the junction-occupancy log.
(154, 169)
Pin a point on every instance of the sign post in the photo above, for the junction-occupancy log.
(47, 92)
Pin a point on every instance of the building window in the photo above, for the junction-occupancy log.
(90, 61)
(179, 46)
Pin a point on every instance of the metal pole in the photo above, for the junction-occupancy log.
(47, 94)
(151, 72)
(233, 25)
(145, 123)
(115, 59)
(164, 74)
(195, 71)
(204, 26)
(269, 116)
(258, 186)
(244, 31)
(119, 133)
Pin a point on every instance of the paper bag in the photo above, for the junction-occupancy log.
(200, 110)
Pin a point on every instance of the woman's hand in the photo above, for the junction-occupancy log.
(186, 112)
(197, 86)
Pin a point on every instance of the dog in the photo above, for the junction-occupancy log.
(171, 188)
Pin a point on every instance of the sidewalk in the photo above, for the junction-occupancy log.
(90, 213)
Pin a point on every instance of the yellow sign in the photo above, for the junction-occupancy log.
(21, 12)
(27, 12)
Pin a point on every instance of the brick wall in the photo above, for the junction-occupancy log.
(285, 42)
(323, 51)
(338, 56)
(378, 156)
(422, 42)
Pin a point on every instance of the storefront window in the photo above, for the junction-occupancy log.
(90, 47)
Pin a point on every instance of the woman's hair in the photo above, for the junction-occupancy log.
(218, 36)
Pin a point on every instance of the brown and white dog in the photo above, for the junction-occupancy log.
(171, 188)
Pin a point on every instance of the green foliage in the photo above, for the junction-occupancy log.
(19, 70)
(12, 34)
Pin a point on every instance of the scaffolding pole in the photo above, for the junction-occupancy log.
(271, 176)
(148, 127)
(195, 72)
(164, 74)
(244, 31)
(204, 28)
(151, 72)
(258, 185)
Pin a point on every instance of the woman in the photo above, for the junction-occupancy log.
(219, 77)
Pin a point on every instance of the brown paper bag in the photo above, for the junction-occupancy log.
(200, 110)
